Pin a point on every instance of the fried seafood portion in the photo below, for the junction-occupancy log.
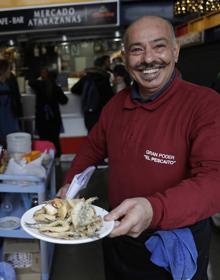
(68, 218)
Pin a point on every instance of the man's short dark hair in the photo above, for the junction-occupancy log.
(100, 61)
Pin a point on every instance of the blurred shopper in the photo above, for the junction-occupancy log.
(162, 139)
(10, 101)
(16, 100)
(95, 90)
(47, 112)
(121, 78)
(104, 63)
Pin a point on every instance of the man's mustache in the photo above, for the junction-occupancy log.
(145, 66)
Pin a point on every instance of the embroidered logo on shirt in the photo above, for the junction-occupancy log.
(159, 157)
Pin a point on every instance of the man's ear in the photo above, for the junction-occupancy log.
(176, 50)
(123, 53)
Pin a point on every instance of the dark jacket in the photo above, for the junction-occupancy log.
(8, 119)
(47, 111)
(16, 104)
(95, 91)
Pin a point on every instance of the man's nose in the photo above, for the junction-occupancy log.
(148, 55)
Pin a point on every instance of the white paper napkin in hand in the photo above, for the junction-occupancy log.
(80, 182)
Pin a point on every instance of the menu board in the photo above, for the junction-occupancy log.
(59, 17)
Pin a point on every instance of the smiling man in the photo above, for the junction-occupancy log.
(150, 57)
(161, 137)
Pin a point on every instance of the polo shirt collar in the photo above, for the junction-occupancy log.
(158, 98)
(135, 94)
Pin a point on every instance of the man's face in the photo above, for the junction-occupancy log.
(44, 73)
(150, 54)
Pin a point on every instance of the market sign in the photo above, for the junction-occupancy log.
(59, 17)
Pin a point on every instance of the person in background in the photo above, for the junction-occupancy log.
(48, 119)
(10, 101)
(10, 55)
(162, 138)
(95, 90)
(13, 85)
(121, 78)
(104, 63)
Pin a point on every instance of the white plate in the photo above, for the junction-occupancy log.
(9, 222)
(28, 218)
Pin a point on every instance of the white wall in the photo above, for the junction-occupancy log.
(71, 115)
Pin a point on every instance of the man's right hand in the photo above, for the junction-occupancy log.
(62, 191)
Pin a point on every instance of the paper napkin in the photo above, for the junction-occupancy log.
(80, 182)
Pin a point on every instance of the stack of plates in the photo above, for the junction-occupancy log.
(18, 143)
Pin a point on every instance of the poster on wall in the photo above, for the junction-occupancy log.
(59, 17)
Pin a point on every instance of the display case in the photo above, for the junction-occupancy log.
(28, 186)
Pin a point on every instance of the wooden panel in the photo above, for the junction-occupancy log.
(196, 25)
(200, 24)
(212, 20)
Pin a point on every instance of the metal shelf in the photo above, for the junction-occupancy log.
(44, 188)
(14, 233)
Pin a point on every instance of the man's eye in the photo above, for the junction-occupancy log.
(161, 46)
(136, 51)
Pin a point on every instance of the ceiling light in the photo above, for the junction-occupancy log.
(117, 34)
(11, 42)
(64, 38)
